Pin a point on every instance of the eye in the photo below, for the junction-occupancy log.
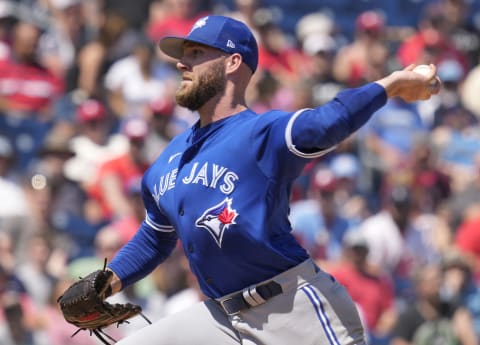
(194, 52)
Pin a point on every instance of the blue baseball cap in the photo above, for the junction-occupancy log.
(224, 33)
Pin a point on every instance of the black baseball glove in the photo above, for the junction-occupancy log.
(83, 305)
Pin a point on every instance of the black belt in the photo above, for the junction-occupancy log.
(250, 297)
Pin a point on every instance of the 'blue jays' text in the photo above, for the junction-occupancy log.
(209, 175)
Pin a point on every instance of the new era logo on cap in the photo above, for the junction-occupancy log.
(224, 33)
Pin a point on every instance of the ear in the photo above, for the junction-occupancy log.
(234, 62)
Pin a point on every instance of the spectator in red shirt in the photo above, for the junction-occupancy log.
(277, 55)
(364, 59)
(28, 92)
(26, 86)
(371, 290)
(172, 17)
(110, 187)
(467, 239)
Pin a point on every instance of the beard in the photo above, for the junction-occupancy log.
(200, 91)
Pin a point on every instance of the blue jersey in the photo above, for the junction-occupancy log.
(224, 191)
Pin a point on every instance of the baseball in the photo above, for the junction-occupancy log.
(425, 70)
(422, 69)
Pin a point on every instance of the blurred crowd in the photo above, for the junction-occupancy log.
(87, 104)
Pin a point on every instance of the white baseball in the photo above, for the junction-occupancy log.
(425, 70)
(422, 69)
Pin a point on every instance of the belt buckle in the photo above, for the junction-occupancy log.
(225, 307)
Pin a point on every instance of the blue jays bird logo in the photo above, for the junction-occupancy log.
(217, 219)
(199, 23)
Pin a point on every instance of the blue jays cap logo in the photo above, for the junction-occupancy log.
(199, 23)
(217, 219)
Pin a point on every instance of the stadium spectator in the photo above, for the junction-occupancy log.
(276, 54)
(363, 59)
(132, 85)
(459, 285)
(430, 44)
(95, 142)
(56, 203)
(429, 320)
(23, 72)
(172, 18)
(110, 185)
(316, 221)
(395, 244)
(322, 49)
(387, 140)
(162, 124)
(27, 94)
(467, 239)
(61, 41)
(33, 270)
(115, 40)
(371, 289)
(458, 25)
(10, 187)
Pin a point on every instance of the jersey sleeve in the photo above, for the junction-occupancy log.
(286, 142)
(154, 218)
(154, 241)
(312, 132)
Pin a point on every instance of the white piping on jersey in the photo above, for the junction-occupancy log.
(291, 146)
(172, 157)
(158, 227)
(321, 314)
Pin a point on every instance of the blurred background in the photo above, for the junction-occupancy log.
(87, 104)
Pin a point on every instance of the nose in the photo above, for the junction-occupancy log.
(181, 66)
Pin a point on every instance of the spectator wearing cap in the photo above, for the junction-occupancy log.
(430, 44)
(371, 289)
(350, 199)
(94, 142)
(321, 48)
(452, 75)
(453, 127)
(132, 83)
(161, 120)
(386, 142)
(57, 203)
(364, 59)
(316, 221)
(395, 244)
(108, 191)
